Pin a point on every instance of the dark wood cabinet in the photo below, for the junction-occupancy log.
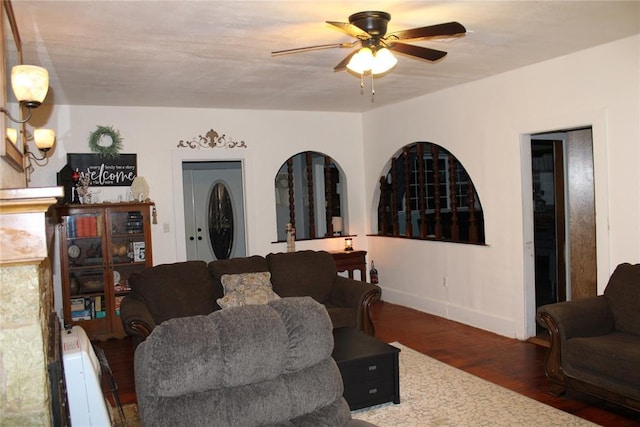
(100, 246)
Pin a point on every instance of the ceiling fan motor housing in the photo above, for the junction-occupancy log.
(373, 22)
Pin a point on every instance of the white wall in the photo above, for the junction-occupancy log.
(271, 136)
(484, 125)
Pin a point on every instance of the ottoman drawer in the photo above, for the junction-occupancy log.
(368, 369)
(369, 393)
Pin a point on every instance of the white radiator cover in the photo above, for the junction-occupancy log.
(87, 405)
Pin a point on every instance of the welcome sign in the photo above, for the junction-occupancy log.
(105, 171)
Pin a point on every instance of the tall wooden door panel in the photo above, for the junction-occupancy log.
(581, 197)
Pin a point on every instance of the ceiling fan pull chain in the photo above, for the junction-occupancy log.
(373, 89)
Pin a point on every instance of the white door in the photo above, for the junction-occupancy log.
(213, 210)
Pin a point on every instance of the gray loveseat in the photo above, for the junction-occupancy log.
(191, 288)
(595, 342)
(243, 366)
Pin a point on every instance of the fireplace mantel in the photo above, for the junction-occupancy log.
(23, 237)
(26, 305)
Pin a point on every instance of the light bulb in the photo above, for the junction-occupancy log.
(12, 134)
(383, 61)
(30, 84)
(362, 61)
(44, 138)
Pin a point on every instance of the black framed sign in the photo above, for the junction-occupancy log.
(105, 171)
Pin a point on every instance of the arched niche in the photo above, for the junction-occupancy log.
(428, 194)
(310, 194)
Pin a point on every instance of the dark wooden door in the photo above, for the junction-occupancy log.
(564, 216)
(582, 213)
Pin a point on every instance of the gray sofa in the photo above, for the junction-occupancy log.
(243, 366)
(595, 342)
(185, 289)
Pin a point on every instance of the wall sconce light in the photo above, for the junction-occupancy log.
(348, 244)
(44, 139)
(30, 85)
(12, 135)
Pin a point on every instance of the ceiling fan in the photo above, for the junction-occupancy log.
(369, 28)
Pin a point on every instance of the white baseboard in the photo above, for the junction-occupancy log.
(468, 316)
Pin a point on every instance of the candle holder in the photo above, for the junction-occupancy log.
(348, 244)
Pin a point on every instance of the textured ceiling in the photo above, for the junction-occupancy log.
(217, 54)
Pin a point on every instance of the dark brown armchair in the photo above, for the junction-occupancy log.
(595, 342)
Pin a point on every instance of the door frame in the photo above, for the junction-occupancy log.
(596, 119)
(199, 179)
(180, 156)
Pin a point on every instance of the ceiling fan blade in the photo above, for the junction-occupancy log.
(417, 51)
(351, 29)
(310, 48)
(343, 64)
(446, 29)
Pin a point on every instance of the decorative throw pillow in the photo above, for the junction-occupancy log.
(246, 289)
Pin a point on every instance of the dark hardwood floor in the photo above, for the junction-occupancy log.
(510, 363)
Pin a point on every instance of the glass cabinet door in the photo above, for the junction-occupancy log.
(101, 245)
(128, 252)
(84, 269)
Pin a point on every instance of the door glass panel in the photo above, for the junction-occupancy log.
(221, 224)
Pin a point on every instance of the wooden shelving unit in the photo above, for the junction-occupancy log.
(101, 245)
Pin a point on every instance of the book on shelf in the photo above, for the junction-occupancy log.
(77, 304)
(93, 225)
(87, 308)
(81, 222)
(70, 223)
(83, 226)
(81, 315)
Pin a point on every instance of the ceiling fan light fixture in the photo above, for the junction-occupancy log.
(383, 61)
(366, 61)
(362, 61)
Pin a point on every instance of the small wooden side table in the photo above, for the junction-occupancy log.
(350, 261)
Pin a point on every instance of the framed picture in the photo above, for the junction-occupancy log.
(138, 251)
(12, 146)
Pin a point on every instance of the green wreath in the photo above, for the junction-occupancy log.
(112, 150)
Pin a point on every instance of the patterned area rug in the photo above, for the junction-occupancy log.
(128, 417)
(433, 393)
